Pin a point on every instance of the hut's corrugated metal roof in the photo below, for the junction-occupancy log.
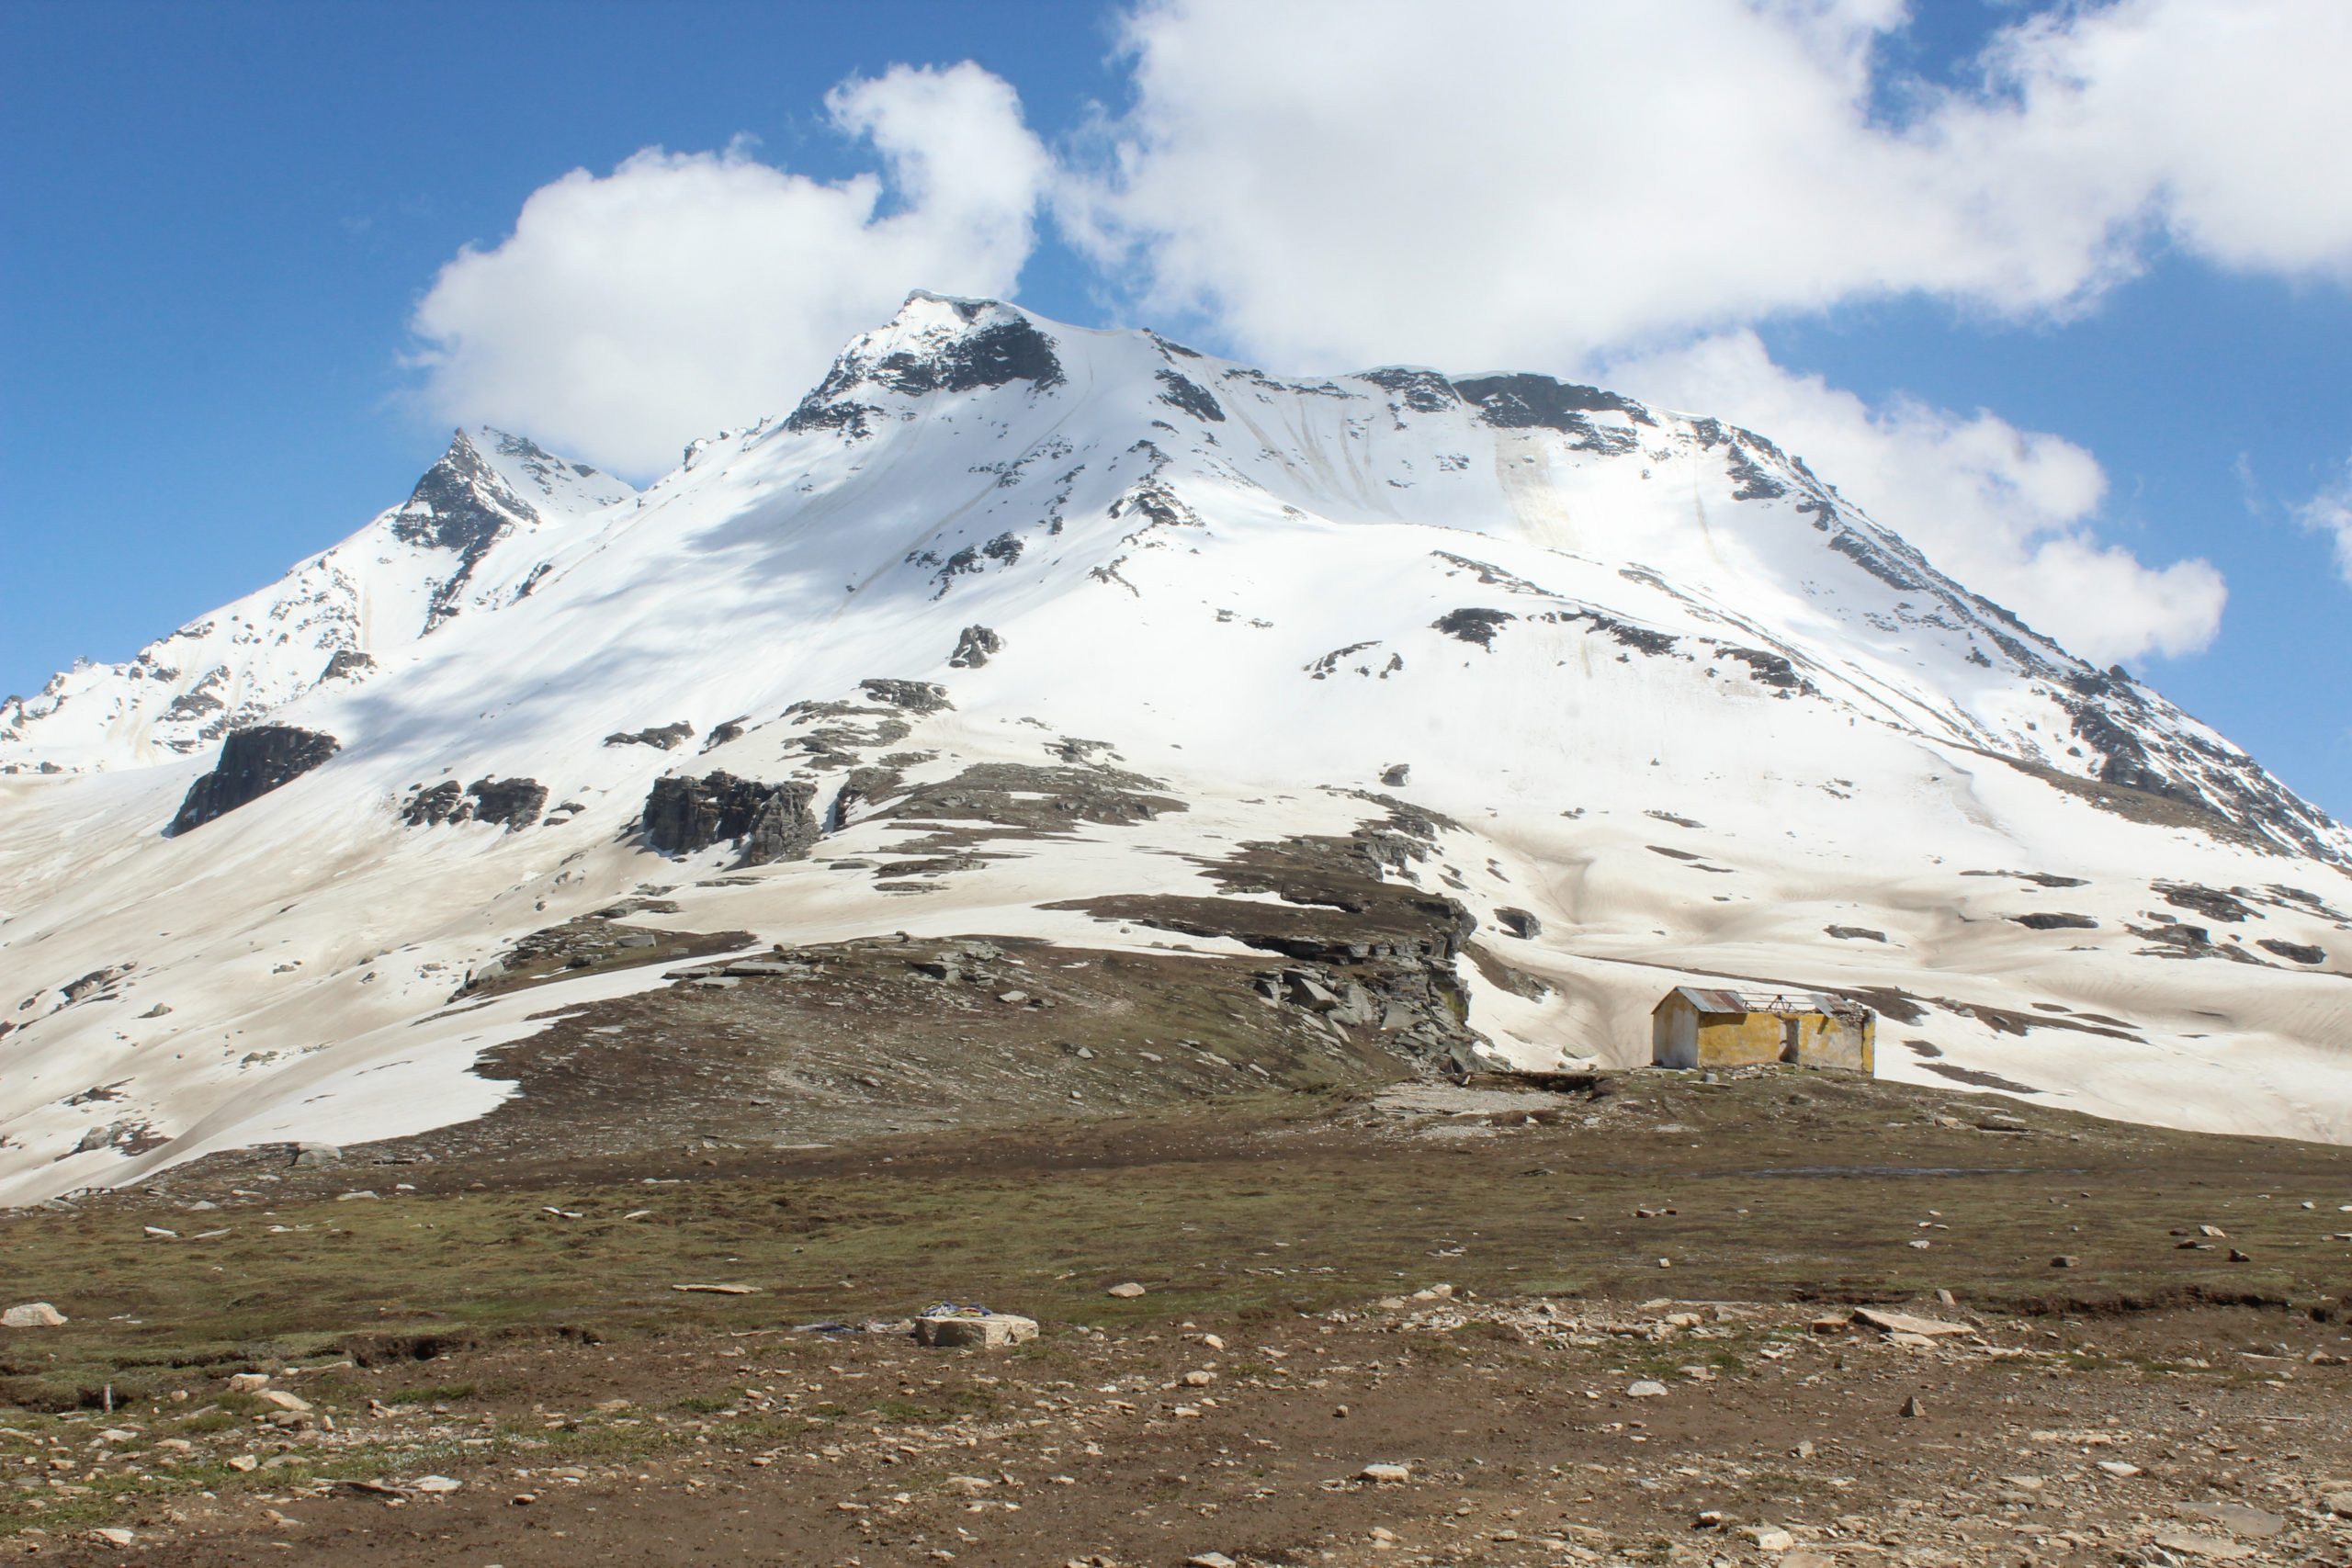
(1721, 999)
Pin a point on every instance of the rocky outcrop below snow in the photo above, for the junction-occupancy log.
(513, 804)
(253, 762)
(766, 822)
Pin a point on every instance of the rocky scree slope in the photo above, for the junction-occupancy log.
(1475, 712)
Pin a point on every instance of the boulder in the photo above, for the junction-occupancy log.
(974, 648)
(985, 1331)
(253, 762)
(32, 1315)
(768, 822)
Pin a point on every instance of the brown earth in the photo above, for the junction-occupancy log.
(487, 1324)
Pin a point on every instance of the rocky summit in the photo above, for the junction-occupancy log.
(1039, 721)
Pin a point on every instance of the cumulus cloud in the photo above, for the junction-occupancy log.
(631, 311)
(2008, 511)
(2330, 512)
(1530, 179)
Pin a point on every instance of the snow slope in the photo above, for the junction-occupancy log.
(1678, 704)
(467, 539)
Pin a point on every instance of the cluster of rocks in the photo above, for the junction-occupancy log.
(513, 804)
(665, 738)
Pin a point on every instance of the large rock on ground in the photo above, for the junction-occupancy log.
(769, 821)
(253, 762)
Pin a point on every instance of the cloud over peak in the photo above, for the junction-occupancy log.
(629, 313)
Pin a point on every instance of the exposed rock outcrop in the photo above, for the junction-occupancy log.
(975, 648)
(253, 762)
(511, 803)
(766, 821)
(915, 697)
(667, 737)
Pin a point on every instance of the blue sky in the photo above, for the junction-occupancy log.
(2072, 362)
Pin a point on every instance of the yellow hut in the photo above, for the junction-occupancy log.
(1696, 1026)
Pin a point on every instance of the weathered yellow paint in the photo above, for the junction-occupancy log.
(1683, 1036)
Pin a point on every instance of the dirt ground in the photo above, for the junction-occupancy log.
(1617, 1323)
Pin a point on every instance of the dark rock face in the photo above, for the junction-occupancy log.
(347, 661)
(1008, 351)
(511, 803)
(1423, 391)
(1769, 668)
(1525, 402)
(1190, 396)
(452, 510)
(1472, 626)
(2300, 952)
(2054, 921)
(668, 737)
(2211, 902)
(915, 697)
(1395, 775)
(1519, 923)
(253, 762)
(768, 822)
(975, 648)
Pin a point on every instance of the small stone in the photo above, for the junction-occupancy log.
(1769, 1538)
(1126, 1293)
(32, 1315)
(2065, 1260)
(1912, 1406)
(359, 1197)
(718, 1290)
(113, 1537)
(2118, 1468)
(2339, 1504)
(1197, 1379)
(244, 1463)
(248, 1383)
(1208, 1560)
(1646, 1388)
(1390, 1474)
(2238, 1257)
(285, 1400)
(1213, 1342)
(2215, 1232)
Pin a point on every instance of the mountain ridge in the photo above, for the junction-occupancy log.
(1120, 639)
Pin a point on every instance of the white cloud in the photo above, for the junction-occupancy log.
(2007, 511)
(1532, 181)
(2330, 512)
(685, 291)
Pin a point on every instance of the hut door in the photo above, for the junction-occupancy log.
(1792, 1035)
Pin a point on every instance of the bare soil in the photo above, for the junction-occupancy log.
(1466, 1282)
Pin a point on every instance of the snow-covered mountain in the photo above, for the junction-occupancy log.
(1649, 701)
(478, 526)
